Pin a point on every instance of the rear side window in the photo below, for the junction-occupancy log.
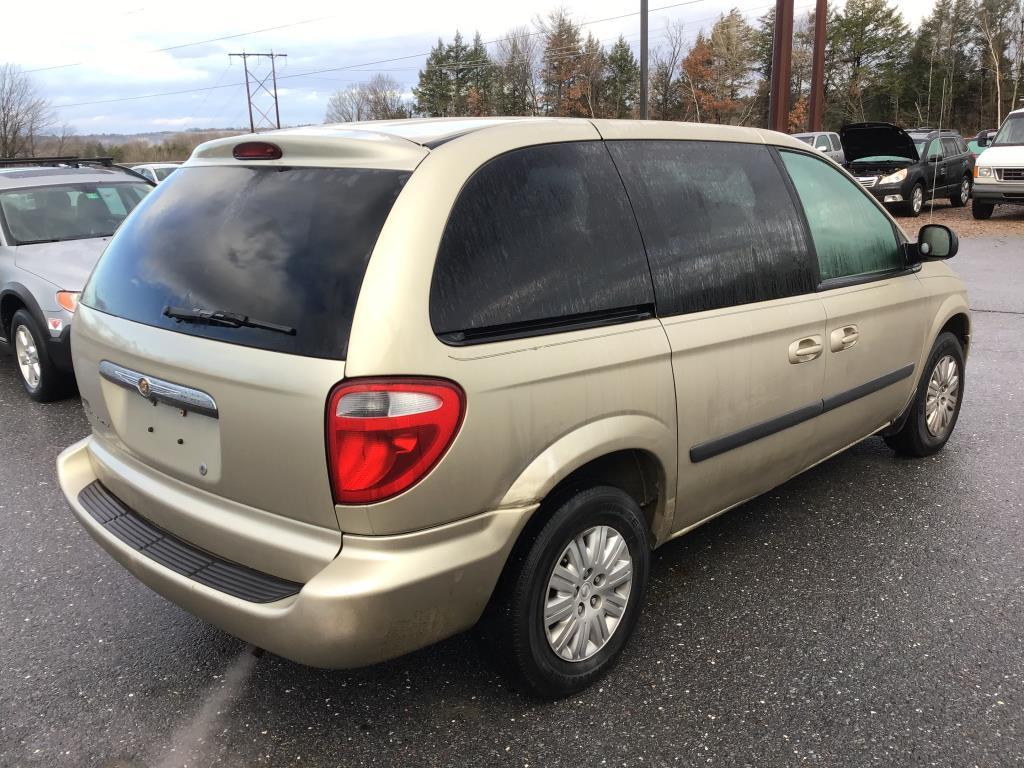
(284, 246)
(721, 229)
(836, 144)
(540, 239)
(851, 236)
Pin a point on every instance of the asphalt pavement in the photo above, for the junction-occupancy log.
(868, 612)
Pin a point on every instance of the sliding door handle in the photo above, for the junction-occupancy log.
(806, 349)
(843, 338)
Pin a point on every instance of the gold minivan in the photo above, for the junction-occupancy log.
(354, 389)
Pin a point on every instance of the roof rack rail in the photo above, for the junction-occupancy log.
(70, 161)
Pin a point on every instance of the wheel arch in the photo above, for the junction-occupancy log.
(13, 297)
(633, 452)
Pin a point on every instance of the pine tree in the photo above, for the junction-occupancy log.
(623, 80)
(433, 93)
(480, 95)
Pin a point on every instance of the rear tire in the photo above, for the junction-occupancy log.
(936, 405)
(536, 608)
(963, 193)
(36, 371)
(982, 211)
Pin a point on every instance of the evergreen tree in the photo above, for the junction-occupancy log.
(433, 93)
(622, 86)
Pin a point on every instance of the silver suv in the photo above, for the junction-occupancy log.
(356, 388)
(54, 224)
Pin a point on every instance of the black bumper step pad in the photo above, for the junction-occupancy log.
(181, 557)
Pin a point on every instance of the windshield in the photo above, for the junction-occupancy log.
(285, 246)
(1011, 133)
(67, 211)
(806, 139)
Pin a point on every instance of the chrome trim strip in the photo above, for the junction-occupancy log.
(162, 391)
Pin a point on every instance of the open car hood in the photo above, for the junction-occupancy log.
(876, 139)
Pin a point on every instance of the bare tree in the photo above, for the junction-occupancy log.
(665, 92)
(64, 136)
(24, 114)
(992, 25)
(381, 98)
(387, 99)
(518, 57)
(348, 105)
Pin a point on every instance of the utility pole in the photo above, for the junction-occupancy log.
(818, 68)
(643, 59)
(257, 90)
(782, 55)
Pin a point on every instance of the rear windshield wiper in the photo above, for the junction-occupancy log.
(223, 319)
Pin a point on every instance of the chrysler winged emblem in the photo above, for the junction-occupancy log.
(144, 387)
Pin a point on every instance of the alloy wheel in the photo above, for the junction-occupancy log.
(587, 593)
(918, 199)
(965, 191)
(28, 357)
(942, 396)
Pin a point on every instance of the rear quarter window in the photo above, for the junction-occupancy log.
(539, 240)
(287, 246)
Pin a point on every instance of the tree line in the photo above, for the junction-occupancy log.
(963, 67)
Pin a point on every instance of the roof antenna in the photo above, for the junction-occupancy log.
(935, 171)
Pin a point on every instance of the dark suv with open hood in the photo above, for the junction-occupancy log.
(906, 168)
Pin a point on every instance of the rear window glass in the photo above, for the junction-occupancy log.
(540, 239)
(282, 246)
(67, 211)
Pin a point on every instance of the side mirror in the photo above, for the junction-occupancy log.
(982, 141)
(936, 241)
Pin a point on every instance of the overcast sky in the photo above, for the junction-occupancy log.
(78, 54)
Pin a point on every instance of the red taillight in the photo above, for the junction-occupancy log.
(257, 150)
(383, 437)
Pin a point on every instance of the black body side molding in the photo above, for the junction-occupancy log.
(719, 445)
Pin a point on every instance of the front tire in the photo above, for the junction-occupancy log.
(571, 595)
(936, 405)
(36, 371)
(915, 205)
(963, 193)
(982, 211)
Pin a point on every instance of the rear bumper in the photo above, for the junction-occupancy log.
(381, 597)
(998, 192)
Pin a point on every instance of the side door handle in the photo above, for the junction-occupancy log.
(806, 349)
(843, 338)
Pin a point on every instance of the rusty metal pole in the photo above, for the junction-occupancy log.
(817, 107)
(782, 55)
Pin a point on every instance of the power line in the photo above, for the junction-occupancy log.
(189, 45)
(340, 68)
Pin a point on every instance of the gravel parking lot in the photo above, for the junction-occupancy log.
(869, 612)
(1006, 221)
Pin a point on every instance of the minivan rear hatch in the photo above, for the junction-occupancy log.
(217, 322)
(876, 141)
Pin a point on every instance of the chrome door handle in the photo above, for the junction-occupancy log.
(843, 338)
(806, 349)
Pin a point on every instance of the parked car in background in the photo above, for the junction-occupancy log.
(602, 334)
(999, 173)
(156, 172)
(54, 224)
(975, 145)
(906, 169)
(827, 143)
